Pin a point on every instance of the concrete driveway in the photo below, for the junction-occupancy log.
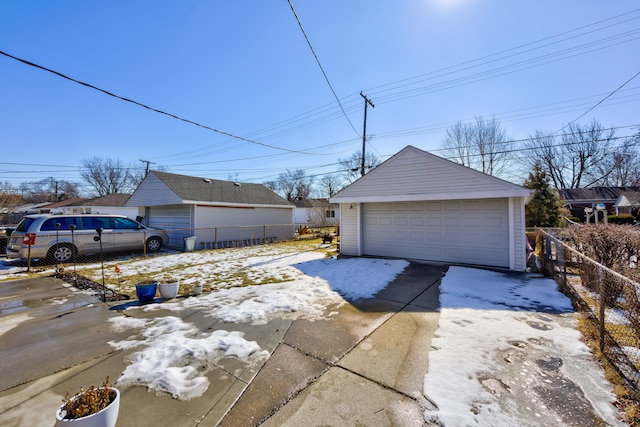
(361, 364)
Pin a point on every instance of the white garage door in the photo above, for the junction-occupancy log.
(456, 231)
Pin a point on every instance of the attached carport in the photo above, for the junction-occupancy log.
(422, 207)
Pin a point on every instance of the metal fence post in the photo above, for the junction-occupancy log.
(601, 309)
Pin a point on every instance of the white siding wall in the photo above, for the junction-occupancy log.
(310, 216)
(519, 249)
(350, 229)
(416, 175)
(153, 192)
(221, 223)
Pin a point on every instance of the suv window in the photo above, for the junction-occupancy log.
(125, 224)
(92, 222)
(25, 224)
(65, 222)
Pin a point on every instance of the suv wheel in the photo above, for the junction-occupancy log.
(154, 244)
(61, 253)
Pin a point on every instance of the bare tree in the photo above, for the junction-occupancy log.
(352, 166)
(271, 185)
(330, 185)
(458, 143)
(622, 167)
(9, 197)
(108, 176)
(48, 190)
(481, 144)
(576, 158)
(292, 185)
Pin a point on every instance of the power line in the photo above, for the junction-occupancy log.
(404, 82)
(146, 106)
(600, 102)
(320, 65)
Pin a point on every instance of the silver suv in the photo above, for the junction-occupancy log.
(50, 236)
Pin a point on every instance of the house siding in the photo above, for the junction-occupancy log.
(519, 250)
(155, 193)
(416, 175)
(215, 224)
(350, 229)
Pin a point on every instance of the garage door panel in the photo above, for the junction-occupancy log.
(459, 231)
(417, 221)
(401, 221)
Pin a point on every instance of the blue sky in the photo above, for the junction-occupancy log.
(244, 68)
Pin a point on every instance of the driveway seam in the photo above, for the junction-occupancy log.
(424, 404)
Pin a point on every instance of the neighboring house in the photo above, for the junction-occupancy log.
(14, 216)
(628, 203)
(56, 207)
(419, 206)
(577, 199)
(316, 212)
(109, 204)
(213, 211)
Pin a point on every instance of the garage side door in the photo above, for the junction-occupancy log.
(457, 231)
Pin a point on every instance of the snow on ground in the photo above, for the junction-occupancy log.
(168, 349)
(506, 353)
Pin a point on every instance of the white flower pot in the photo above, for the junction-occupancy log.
(169, 290)
(105, 418)
(197, 289)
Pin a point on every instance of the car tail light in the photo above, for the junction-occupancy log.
(29, 239)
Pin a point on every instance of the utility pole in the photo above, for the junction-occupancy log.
(367, 101)
(146, 170)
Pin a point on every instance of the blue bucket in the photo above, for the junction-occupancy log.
(146, 292)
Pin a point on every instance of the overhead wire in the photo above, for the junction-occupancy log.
(304, 33)
(327, 112)
(32, 64)
(600, 102)
(421, 77)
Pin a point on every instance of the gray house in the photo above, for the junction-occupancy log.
(418, 206)
(218, 213)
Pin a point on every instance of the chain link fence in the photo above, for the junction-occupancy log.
(112, 261)
(609, 300)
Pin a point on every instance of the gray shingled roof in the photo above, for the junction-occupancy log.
(594, 193)
(212, 190)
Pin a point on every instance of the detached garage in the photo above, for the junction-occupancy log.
(215, 212)
(419, 206)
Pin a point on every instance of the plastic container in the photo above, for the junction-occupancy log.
(189, 243)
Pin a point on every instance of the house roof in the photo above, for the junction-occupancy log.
(413, 174)
(628, 198)
(594, 194)
(191, 189)
(117, 200)
(66, 202)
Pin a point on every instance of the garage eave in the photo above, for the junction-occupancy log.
(377, 198)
